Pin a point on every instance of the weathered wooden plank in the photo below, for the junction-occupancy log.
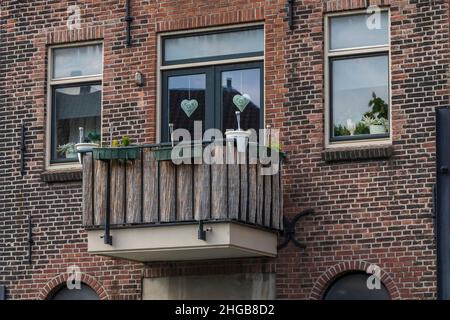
(281, 224)
(219, 185)
(184, 193)
(259, 196)
(252, 193)
(151, 173)
(244, 191)
(167, 191)
(88, 218)
(267, 200)
(100, 175)
(276, 201)
(233, 186)
(202, 191)
(133, 194)
(117, 192)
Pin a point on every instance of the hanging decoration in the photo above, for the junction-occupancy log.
(241, 101)
(189, 105)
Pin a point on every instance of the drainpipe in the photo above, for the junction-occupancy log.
(442, 198)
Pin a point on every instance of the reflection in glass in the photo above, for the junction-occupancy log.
(359, 92)
(241, 91)
(215, 44)
(74, 107)
(186, 97)
(353, 31)
(77, 61)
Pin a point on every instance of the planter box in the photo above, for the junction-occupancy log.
(165, 153)
(125, 153)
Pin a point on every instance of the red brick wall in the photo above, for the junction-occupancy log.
(376, 211)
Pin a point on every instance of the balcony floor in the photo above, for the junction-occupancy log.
(180, 242)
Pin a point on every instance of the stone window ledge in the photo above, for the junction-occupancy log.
(62, 176)
(357, 153)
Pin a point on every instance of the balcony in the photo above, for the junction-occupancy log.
(151, 209)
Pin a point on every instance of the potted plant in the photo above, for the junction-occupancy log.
(376, 119)
(68, 150)
(92, 141)
(376, 125)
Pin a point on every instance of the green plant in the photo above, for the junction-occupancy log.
(361, 128)
(372, 121)
(67, 148)
(125, 141)
(379, 108)
(115, 143)
(340, 130)
(94, 137)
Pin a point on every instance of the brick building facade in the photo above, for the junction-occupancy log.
(372, 203)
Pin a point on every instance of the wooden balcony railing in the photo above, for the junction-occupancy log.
(146, 191)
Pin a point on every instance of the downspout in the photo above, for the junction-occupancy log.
(442, 196)
(128, 20)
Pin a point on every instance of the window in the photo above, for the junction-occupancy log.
(357, 53)
(353, 286)
(75, 80)
(64, 293)
(208, 77)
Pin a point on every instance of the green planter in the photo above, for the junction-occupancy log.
(165, 153)
(126, 153)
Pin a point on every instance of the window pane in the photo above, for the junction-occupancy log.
(358, 31)
(74, 107)
(214, 45)
(77, 61)
(241, 91)
(359, 91)
(186, 99)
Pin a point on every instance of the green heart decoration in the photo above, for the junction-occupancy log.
(189, 106)
(240, 101)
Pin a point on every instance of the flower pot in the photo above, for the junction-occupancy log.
(377, 129)
(70, 155)
(85, 147)
(241, 138)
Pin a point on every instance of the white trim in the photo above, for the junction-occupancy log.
(69, 80)
(346, 52)
(161, 68)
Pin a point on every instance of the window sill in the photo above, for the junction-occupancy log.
(357, 153)
(62, 176)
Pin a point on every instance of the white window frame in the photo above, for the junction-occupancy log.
(63, 81)
(161, 67)
(328, 53)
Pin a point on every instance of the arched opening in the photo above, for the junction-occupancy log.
(64, 293)
(353, 286)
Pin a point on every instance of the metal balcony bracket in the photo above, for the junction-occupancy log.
(289, 229)
(291, 14)
(22, 149)
(201, 231)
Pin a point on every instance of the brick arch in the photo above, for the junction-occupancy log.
(54, 283)
(342, 268)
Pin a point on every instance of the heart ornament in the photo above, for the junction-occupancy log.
(189, 106)
(241, 101)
